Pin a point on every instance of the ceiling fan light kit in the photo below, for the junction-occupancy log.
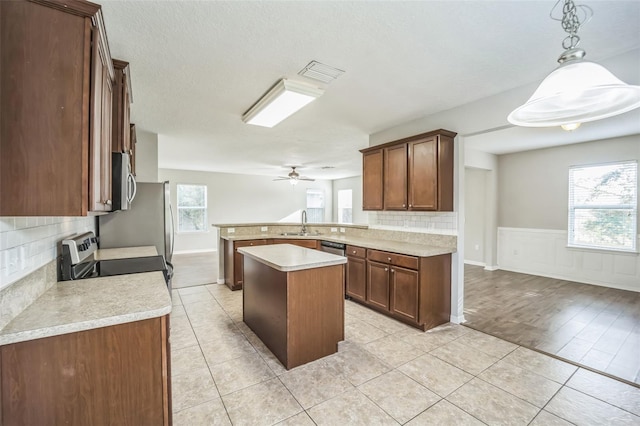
(283, 99)
(293, 177)
(577, 91)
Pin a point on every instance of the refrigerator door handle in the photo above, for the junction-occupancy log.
(173, 237)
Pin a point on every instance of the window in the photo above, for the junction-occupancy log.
(603, 206)
(192, 208)
(345, 210)
(315, 205)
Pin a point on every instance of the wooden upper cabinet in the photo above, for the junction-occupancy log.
(121, 107)
(395, 177)
(55, 106)
(417, 173)
(372, 185)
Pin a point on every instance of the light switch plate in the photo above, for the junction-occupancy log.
(231, 230)
(342, 230)
(264, 228)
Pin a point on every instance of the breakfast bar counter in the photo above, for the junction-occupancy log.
(293, 300)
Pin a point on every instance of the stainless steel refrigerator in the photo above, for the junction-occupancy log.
(148, 222)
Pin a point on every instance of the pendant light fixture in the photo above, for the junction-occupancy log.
(578, 91)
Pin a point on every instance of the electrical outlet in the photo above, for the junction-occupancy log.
(477, 247)
(342, 230)
(334, 229)
(264, 228)
(231, 230)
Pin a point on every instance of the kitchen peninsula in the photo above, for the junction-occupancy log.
(293, 300)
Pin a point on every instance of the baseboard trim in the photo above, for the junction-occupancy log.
(220, 281)
(491, 268)
(474, 263)
(457, 319)
(195, 251)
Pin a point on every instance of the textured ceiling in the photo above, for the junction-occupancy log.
(197, 66)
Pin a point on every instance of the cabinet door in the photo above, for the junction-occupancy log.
(423, 174)
(238, 264)
(395, 177)
(100, 145)
(378, 284)
(356, 278)
(404, 293)
(372, 180)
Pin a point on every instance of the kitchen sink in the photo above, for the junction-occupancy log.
(299, 234)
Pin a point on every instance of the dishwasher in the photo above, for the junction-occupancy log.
(331, 247)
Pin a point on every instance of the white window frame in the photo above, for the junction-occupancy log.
(324, 202)
(179, 207)
(343, 208)
(632, 207)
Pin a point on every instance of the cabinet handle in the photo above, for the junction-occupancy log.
(108, 202)
(354, 252)
(393, 271)
(389, 259)
(250, 244)
(386, 269)
(409, 205)
(404, 205)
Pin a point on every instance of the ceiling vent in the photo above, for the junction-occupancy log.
(321, 72)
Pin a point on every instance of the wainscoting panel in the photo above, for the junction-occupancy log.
(544, 252)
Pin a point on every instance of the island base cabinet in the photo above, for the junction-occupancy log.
(117, 375)
(298, 315)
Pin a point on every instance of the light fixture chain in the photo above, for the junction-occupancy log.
(570, 24)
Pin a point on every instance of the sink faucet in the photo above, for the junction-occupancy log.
(304, 222)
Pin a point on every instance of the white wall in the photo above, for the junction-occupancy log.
(355, 185)
(146, 156)
(234, 198)
(475, 209)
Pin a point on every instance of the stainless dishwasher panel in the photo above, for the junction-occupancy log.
(333, 248)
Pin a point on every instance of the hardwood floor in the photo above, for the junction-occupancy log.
(594, 326)
(194, 269)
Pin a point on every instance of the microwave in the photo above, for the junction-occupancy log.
(123, 182)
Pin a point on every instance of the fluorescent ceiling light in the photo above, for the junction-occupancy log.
(282, 100)
(577, 91)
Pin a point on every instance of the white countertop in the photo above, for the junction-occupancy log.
(287, 257)
(72, 306)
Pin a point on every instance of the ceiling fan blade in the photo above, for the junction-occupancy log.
(306, 178)
(282, 178)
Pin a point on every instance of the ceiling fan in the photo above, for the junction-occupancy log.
(293, 177)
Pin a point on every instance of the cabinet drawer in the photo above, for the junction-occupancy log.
(249, 243)
(356, 251)
(393, 258)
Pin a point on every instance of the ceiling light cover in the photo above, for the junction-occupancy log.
(321, 72)
(282, 100)
(577, 91)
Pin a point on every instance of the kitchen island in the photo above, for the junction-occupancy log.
(293, 300)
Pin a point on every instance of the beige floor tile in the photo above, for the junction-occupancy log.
(383, 322)
(261, 404)
(205, 318)
(210, 413)
(187, 359)
(350, 408)
(435, 374)
(175, 298)
(434, 338)
(488, 344)
(582, 409)
(393, 351)
(181, 334)
(358, 331)
(606, 389)
(356, 365)
(545, 418)
(401, 397)
(314, 383)
(240, 373)
(464, 357)
(200, 297)
(524, 384)
(492, 405)
(217, 330)
(300, 419)
(225, 348)
(191, 389)
(177, 311)
(543, 365)
(192, 290)
(445, 414)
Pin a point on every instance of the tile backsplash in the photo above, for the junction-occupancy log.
(438, 222)
(28, 243)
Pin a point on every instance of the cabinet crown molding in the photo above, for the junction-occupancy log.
(441, 132)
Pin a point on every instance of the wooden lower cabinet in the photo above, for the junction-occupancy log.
(420, 297)
(117, 375)
(233, 261)
(356, 284)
